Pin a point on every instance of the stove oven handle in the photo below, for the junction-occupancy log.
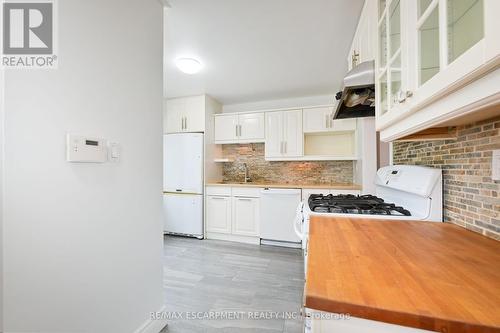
(297, 223)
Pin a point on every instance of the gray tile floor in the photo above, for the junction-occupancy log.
(216, 277)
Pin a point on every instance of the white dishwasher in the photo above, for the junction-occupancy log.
(277, 214)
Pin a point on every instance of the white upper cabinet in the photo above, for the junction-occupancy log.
(319, 120)
(390, 53)
(363, 46)
(251, 127)
(274, 134)
(239, 128)
(226, 128)
(284, 135)
(293, 137)
(437, 60)
(186, 114)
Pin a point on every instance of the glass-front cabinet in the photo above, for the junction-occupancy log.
(388, 63)
(428, 49)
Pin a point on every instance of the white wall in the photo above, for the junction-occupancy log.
(281, 103)
(83, 242)
(1, 192)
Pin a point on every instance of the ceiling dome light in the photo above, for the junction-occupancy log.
(188, 65)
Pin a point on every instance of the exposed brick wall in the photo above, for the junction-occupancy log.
(471, 197)
(282, 172)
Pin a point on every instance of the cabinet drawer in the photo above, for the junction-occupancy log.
(250, 192)
(218, 190)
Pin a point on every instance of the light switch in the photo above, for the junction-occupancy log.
(495, 165)
(114, 151)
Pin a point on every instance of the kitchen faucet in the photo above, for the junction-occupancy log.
(247, 177)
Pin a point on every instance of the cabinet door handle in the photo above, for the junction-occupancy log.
(182, 123)
(236, 129)
(217, 198)
(401, 96)
(284, 147)
(281, 147)
(185, 123)
(244, 199)
(326, 121)
(239, 126)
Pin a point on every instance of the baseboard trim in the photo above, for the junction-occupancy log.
(271, 242)
(234, 238)
(153, 325)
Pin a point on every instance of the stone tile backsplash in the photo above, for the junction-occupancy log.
(471, 197)
(310, 172)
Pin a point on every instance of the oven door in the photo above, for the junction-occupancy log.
(301, 228)
(298, 222)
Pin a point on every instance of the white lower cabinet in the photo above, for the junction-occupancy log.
(218, 214)
(245, 216)
(233, 214)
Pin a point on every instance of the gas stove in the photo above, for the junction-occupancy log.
(402, 192)
(354, 204)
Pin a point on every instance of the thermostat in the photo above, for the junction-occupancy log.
(85, 149)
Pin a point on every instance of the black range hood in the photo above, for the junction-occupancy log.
(357, 99)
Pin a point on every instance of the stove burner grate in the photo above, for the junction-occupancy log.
(354, 204)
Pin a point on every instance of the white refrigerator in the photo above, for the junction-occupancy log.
(183, 184)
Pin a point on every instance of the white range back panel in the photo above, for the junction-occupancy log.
(183, 163)
(416, 188)
(409, 178)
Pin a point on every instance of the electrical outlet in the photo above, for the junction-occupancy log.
(495, 165)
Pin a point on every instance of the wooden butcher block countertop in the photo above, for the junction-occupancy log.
(434, 276)
(334, 186)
